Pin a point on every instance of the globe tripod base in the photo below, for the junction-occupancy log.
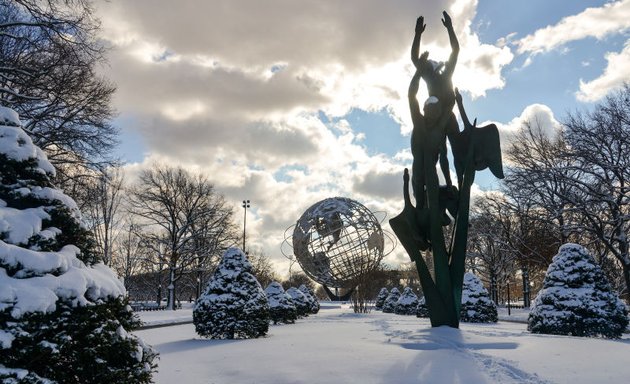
(335, 297)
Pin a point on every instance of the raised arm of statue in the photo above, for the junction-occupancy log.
(414, 106)
(462, 112)
(415, 46)
(452, 60)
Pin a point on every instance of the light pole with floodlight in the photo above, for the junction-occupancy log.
(245, 206)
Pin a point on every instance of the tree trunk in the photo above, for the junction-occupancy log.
(626, 276)
(170, 305)
(526, 290)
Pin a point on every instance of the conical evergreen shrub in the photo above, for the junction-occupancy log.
(64, 316)
(299, 299)
(380, 299)
(407, 303)
(477, 307)
(577, 299)
(310, 298)
(281, 307)
(390, 302)
(233, 305)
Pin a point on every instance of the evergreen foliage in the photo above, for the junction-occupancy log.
(233, 304)
(477, 307)
(422, 310)
(64, 317)
(380, 299)
(577, 299)
(281, 306)
(310, 298)
(390, 302)
(407, 303)
(299, 299)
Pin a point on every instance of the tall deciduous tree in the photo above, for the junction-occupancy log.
(185, 214)
(599, 144)
(104, 196)
(49, 50)
(575, 184)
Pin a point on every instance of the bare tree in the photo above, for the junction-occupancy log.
(129, 253)
(262, 267)
(180, 212)
(532, 180)
(49, 50)
(487, 255)
(103, 197)
(574, 187)
(599, 144)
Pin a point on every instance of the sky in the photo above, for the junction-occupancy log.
(288, 102)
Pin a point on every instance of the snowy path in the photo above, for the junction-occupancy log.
(338, 346)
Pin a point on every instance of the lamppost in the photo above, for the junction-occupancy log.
(245, 206)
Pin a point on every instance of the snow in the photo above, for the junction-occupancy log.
(44, 277)
(9, 117)
(21, 224)
(338, 346)
(17, 145)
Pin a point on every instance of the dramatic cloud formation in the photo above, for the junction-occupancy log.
(239, 90)
(260, 95)
(617, 73)
(535, 115)
(611, 18)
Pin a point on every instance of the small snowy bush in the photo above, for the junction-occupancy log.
(422, 310)
(380, 299)
(64, 316)
(299, 299)
(390, 302)
(407, 303)
(233, 304)
(310, 298)
(476, 304)
(576, 299)
(281, 307)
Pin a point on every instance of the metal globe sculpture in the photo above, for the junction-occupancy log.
(337, 240)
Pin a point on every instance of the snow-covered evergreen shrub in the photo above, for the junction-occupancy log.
(300, 301)
(407, 303)
(310, 298)
(380, 299)
(577, 299)
(477, 307)
(64, 317)
(392, 299)
(422, 310)
(281, 307)
(233, 305)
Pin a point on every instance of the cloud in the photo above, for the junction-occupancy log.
(617, 73)
(611, 18)
(479, 65)
(383, 180)
(237, 90)
(537, 115)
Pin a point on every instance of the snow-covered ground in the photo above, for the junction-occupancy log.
(338, 346)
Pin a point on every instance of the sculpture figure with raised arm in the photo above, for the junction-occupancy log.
(421, 228)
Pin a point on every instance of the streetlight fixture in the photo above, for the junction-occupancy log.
(245, 206)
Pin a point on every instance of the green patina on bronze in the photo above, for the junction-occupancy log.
(421, 228)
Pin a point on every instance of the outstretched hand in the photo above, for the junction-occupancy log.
(420, 25)
(448, 23)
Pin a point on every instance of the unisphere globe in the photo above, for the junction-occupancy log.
(336, 241)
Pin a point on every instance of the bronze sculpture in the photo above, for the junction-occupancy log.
(420, 228)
